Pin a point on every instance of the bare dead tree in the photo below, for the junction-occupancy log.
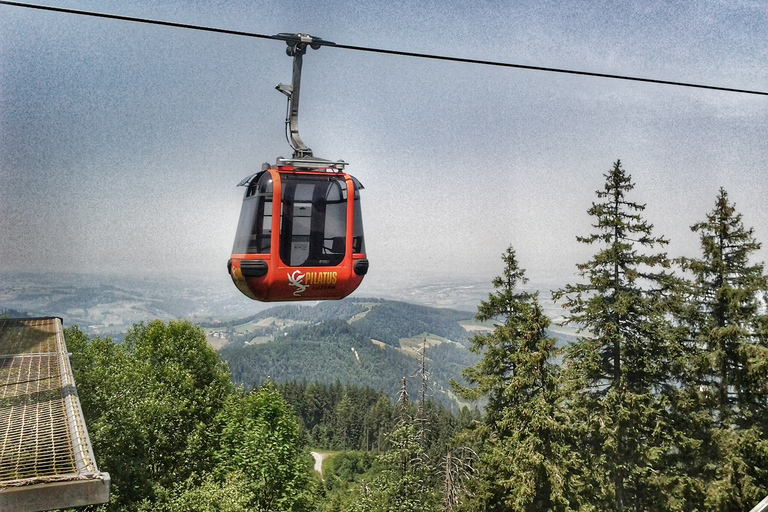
(458, 471)
(421, 416)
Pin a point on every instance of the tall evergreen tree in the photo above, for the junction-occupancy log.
(525, 459)
(619, 371)
(728, 345)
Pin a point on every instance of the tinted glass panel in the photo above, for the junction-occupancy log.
(254, 229)
(358, 240)
(314, 220)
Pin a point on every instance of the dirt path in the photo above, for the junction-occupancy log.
(319, 458)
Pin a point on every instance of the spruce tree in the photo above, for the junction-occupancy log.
(725, 319)
(618, 370)
(407, 480)
(525, 459)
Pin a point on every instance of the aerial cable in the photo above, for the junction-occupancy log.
(379, 50)
(139, 20)
(552, 70)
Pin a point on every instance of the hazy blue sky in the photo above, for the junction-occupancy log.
(121, 144)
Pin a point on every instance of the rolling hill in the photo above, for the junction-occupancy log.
(367, 342)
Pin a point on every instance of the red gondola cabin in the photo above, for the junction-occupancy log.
(300, 234)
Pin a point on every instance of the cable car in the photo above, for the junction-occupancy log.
(300, 233)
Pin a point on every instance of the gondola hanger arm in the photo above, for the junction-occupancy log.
(297, 47)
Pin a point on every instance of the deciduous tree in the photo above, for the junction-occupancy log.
(168, 426)
(260, 439)
(149, 402)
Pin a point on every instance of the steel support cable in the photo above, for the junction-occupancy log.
(139, 20)
(380, 50)
(552, 70)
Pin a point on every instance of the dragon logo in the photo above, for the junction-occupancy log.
(296, 279)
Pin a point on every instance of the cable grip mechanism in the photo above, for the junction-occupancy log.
(297, 47)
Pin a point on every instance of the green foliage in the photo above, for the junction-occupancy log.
(408, 481)
(525, 459)
(320, 353)
(323, 353)
(232, 494)
(661, 403)
(643, 413)
(260, 439)
(404, 479)
(145, 413)
(725, 384)
(346, 467)
(620, 371)
(622, 305)
(169, 427)
(501, 349)
(723, 312)
(347, 417)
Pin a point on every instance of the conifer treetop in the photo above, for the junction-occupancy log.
(505, 302)
(619, 265)
(726, 245)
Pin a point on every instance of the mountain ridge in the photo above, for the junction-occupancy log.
(373, 342)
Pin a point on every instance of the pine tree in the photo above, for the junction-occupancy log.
(619, 370)
(407, 480)
(344, 423)
(525, 461)
(726, 325)
(492, 373)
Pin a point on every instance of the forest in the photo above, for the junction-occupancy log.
(335, 350)
(334, 341)
(660, 403)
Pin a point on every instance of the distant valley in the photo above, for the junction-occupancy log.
(109, 305)
(364, 341)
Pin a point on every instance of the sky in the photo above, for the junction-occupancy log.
(121, 144)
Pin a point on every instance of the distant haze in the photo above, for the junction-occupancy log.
(121, 143)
